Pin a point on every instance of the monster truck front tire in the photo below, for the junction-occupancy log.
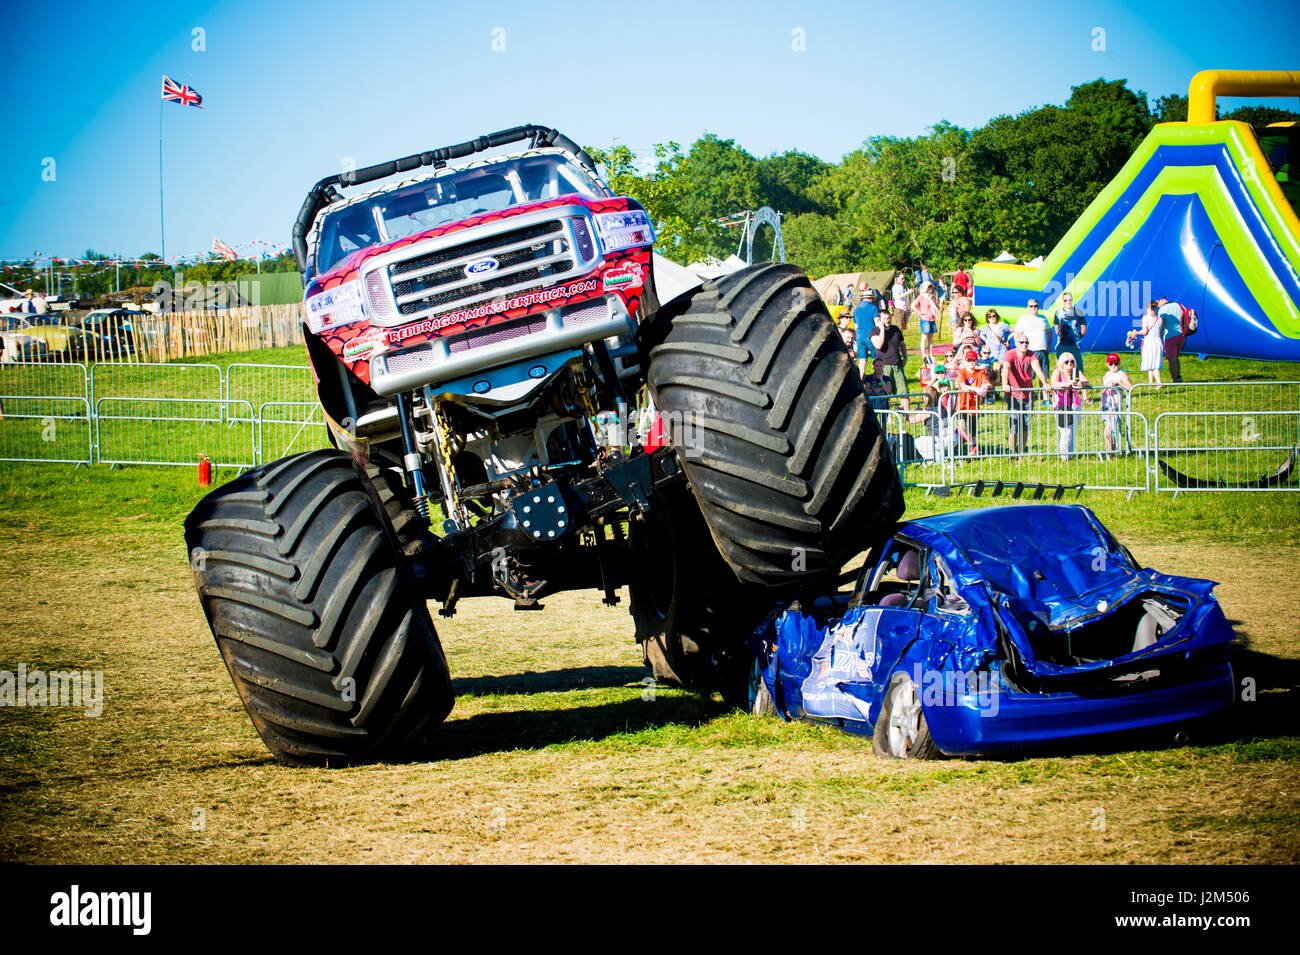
(692, 616)
(330, 646)
(779, 443)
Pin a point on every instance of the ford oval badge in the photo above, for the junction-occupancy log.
(481, 267)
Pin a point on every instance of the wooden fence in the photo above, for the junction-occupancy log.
(165, 336)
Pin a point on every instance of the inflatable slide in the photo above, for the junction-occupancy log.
(1203, 213)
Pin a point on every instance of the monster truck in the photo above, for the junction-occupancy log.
(480, 333)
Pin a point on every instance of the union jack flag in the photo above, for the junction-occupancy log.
(179, 93)
(220, 248)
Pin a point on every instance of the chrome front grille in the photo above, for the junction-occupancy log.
(597, 310)
(528, 253)
(381, 306)
(409, 359)
(500, 332)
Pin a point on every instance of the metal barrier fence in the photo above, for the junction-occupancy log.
(45, 413)
(1089, 448)
(156, 413)
(1211, 451)
(287, 427)
(1193, 436)
(282, 401)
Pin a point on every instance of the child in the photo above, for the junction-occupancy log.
(972, 385)
(932, 373)
(878, 387)
(938, 422)
(1114, 394)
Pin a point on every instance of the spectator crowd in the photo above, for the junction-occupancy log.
(968, 362)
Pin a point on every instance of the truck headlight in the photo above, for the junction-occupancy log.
(624, 230)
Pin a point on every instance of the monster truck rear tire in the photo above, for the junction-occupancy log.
(778, 440)
(328, 642)
(691, 614)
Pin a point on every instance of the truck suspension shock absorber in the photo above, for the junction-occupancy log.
(411, 458)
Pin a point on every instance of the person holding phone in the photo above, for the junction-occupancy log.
(1068, 382)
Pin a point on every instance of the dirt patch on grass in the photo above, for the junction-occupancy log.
(556, 751)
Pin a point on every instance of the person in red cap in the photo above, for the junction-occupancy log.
(972, 385)
(1115, 386)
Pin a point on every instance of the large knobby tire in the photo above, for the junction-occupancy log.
(779, 442)
(692, 616)
(329, 644)
(410, 531)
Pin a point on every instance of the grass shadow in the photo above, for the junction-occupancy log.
(503, 732)
(136, 773)
(549, 681)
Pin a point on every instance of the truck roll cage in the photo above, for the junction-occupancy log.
(326, 191)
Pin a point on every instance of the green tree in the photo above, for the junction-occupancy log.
(1058, 158)
(819, 244)
(785, 182)
(1113, 106)
(1261, 116)
(1170, 108)
(681, 237)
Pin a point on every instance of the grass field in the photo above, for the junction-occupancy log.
(556, 749)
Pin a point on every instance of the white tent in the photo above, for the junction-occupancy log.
(1035, 262)
(671, 279)
(711, 268)
(1006, 258)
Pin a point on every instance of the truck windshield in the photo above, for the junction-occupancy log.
(447, 198)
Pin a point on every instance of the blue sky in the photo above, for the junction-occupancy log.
(293, 90)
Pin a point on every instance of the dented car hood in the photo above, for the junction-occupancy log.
(1061, 568)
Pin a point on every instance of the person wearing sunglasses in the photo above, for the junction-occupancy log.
(1068, 382)
(1020, 368)
(966, 336)
(1071, 326)
(1033, 325)
(995, 335)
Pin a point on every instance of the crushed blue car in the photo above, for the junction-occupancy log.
(997, 629)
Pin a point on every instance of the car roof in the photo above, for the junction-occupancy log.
(980, 520)
(1058, 543)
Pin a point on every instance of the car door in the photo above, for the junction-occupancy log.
(836, 674)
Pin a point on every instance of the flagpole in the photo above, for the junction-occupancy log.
(162, 223)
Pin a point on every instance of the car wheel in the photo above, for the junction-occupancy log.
(760, 700)
(901, 730)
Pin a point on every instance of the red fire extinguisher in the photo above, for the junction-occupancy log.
(658, 436)
(205, 471)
